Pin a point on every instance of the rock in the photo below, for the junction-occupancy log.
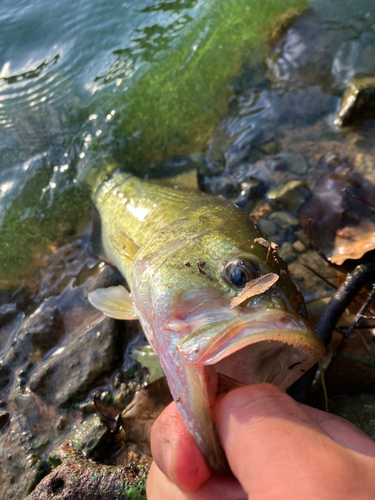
(287, 253)
(336, 202)
(237, 139)
(23, 445)
(291, 195)
(89, 439)
(299, 246)
(310, 285)
(267, 227)
(79, 478)
(352, 58)
(285, 220)
(72, 371)
(364, 165)
(138, 418)
(66, 262)
(359, 409)
(305, 53)
(10, 323)
(358, 102)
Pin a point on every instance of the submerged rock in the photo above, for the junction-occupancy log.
(358, 102)
(305, 53)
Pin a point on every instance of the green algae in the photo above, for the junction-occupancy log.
(30, 225)
(174, 107)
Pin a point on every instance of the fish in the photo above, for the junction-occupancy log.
(215, 301)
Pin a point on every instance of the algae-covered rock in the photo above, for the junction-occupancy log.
(358, 102)
(79, 478)
(88, 438)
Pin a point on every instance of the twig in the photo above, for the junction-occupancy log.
(318, 275)
(353, 324)
(358, 198)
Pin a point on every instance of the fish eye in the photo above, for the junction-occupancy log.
(238, 273)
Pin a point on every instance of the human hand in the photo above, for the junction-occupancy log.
(277, 449)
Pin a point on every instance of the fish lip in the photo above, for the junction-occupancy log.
(232, 335)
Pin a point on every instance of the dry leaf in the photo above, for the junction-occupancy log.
(253, 288)
(353, 242)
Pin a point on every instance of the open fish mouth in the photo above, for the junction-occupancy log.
(274, 346)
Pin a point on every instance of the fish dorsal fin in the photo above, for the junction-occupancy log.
(114, 302)
(187, 179)
(124, 246)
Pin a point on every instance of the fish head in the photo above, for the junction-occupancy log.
(184, 284)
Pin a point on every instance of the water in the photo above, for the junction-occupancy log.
(86, 86)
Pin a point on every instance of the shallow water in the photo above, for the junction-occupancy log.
(86, 86)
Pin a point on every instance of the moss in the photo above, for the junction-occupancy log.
(174, 107)
(23, 239)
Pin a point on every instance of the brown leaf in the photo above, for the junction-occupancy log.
(353, 242)
(254, 287)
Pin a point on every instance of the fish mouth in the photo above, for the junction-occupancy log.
(275, 346)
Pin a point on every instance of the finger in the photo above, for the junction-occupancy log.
(342, 431)
(272, 441)
(215, 488)
(176, 453)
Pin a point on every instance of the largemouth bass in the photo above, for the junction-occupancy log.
(215, 301)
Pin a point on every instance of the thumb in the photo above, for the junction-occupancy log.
(275, 448)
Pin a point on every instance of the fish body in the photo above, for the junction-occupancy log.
(187, 258)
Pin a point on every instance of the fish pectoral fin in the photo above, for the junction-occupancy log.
(124, 246)
(114, 302)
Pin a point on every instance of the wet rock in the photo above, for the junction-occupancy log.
(287, 253)
(237, 139)
(358, 102)
(74, 369)
(364, 165)
(138, 418)
(23, 446)
(299, 246)
(312, 286)
(291, 195)
(305, 53)
(126, 393)
(66, 262)
(267, 227)
(352, 58)
(324, 165)
(44, 328)
(80, 478)
(10, 323)
(4, 420)
(359, 409)
(332, 205)
(285, 220)
(89, 438)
